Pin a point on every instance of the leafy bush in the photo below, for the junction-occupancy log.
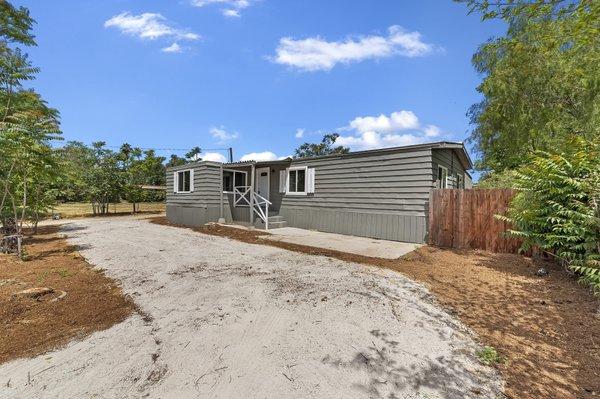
(489, 356)
(558, 207)
(504, 179)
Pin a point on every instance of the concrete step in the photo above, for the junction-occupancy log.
(276, 218)
(272, 224)
(276, 225)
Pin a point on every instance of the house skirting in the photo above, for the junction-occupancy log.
(407, 228)
(383, 226)
(194, 215)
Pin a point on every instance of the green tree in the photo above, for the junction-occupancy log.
(16, 24)
(104, 178)
(176, 160)
(76, 160)
(29, 180)
(141, 168)
(28, 167)
(541, 80)
(557, 208)
(193, 154)
(325, 147)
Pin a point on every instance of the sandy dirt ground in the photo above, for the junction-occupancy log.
(222, 319)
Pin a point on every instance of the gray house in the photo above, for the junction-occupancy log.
(381, 193)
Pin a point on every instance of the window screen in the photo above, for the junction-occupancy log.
(227, 181)
(183, 181)
(297, 181)
(240, 179)
(442, 177)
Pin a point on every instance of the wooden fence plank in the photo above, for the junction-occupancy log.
(465, 219)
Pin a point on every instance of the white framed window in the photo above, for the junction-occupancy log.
(296, 180)
(442, 177)
(183, 181)
(234, 178)
(460, 181)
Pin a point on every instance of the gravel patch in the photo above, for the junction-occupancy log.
(221, 318)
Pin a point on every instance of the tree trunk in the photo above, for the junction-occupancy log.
(35, 223)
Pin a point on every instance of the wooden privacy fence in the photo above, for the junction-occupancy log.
(464, 219)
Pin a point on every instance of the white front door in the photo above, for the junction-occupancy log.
(262, 182)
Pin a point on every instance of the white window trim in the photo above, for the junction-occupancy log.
(446, 169)
(233, 182)
(176, 181)
(287, 176)
(460, 180)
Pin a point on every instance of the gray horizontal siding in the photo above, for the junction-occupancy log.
(392, 183)
(372, 195)
(449, 159)
(207, 186)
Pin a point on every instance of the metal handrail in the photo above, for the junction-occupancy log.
(263, 198)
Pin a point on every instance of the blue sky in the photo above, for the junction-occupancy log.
(259, 76)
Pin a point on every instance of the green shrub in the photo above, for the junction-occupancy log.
(504, 179)
(558, 207)
(489, 356)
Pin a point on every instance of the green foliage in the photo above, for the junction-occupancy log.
(142, 168)
(176, 160)
(28, 164)
(489, 356)
(558, 207)
(193, 154)
(541, 80)
(325, 147)
(504, 179)
(15, 24)
(104, 180)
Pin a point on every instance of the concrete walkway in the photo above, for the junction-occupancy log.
(355, 245)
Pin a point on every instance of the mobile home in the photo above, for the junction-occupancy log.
(381, 193)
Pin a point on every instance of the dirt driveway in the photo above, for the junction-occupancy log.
(222, 319)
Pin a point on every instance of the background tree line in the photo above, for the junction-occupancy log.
(35, 172)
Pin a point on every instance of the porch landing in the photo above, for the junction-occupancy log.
(343, 243)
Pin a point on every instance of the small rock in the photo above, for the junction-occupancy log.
(34, 292)
(542, 272)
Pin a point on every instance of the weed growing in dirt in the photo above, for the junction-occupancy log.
(63, 273)
(489, 356)
(25, 256)
(42, 276)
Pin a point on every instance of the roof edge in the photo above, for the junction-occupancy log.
(433, 145)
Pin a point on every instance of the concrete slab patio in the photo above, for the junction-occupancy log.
(344, 243)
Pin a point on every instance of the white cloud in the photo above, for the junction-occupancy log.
(316, 54)
(214, 156)
(401, 120)
(398, 129)
(149, 26)
(260, 156)
(370, 140)
(299, 133)
(432, 131)
(222, 135)
(232, 13)
(173, 48)
(232, 8)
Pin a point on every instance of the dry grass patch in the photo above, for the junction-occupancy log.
(545, 330)
(67, 298)
(84, 209)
